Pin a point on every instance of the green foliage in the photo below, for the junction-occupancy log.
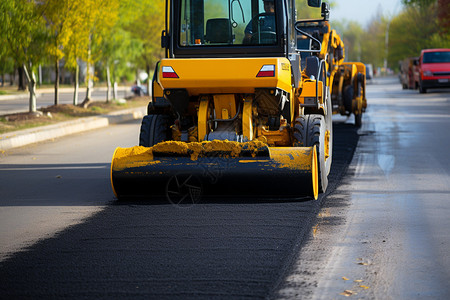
(59, 20)
(6, 63)
(420, 25)
(351, 33)
(415, 28)
(374, 48)
(23, 30)
(420, 3)
(125, 35)
(146, 26)
(306, 12)
(78, 42)
(101, 17)
(119, 50)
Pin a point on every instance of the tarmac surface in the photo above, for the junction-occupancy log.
(216, 249)
(380, 231)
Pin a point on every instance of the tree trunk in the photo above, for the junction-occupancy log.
(115, 90)
(89, 79)
(115, 83)
(40, 75)
(77, 84)
(12, 77)
(89, 86)
(108, 84)
(21, 86)
(56, 81)
(32, 88)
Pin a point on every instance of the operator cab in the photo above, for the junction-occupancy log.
(215, 28)
(236, 28)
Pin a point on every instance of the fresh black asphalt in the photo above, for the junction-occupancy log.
(215, 249)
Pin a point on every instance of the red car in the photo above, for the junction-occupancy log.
(434, 65)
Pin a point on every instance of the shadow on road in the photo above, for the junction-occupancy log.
(54, 184)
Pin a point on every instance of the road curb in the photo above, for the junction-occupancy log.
(29, 136)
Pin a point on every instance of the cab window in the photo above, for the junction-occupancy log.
(205, 23)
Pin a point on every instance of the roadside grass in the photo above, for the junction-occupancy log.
(65, 112)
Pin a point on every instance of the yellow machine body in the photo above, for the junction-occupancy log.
(230, 116)
(222, 84)
(346, 80)
(225, 75)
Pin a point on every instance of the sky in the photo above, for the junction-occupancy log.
(362, 11)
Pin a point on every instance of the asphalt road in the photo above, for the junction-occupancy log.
(383, 220)
(383, 233)
(20, 103)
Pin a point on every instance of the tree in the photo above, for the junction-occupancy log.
(59, 16)
(96, 19)
(351, 33)
(444, 16)
(373, 48)
(147, 26)
(419, 3)
(118, 50)
(444, 23)
(6, 61)
(306, 12)
(418, 27)
(6, 65)
(25, 34)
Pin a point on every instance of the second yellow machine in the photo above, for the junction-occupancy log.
(233, 111)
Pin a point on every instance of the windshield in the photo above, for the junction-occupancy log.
(436, 57)
(227, 22)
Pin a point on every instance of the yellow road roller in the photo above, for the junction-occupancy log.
(234, 109)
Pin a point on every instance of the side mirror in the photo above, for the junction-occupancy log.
(325, 11)
(314, 3)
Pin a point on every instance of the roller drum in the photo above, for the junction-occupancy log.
(278, 172)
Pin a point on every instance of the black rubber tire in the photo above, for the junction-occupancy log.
(309, 131)
(422, 90)
(358, 117)
(348, 98)
(358, 120)
(154, 129)
(348, 103)
(329, 124)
